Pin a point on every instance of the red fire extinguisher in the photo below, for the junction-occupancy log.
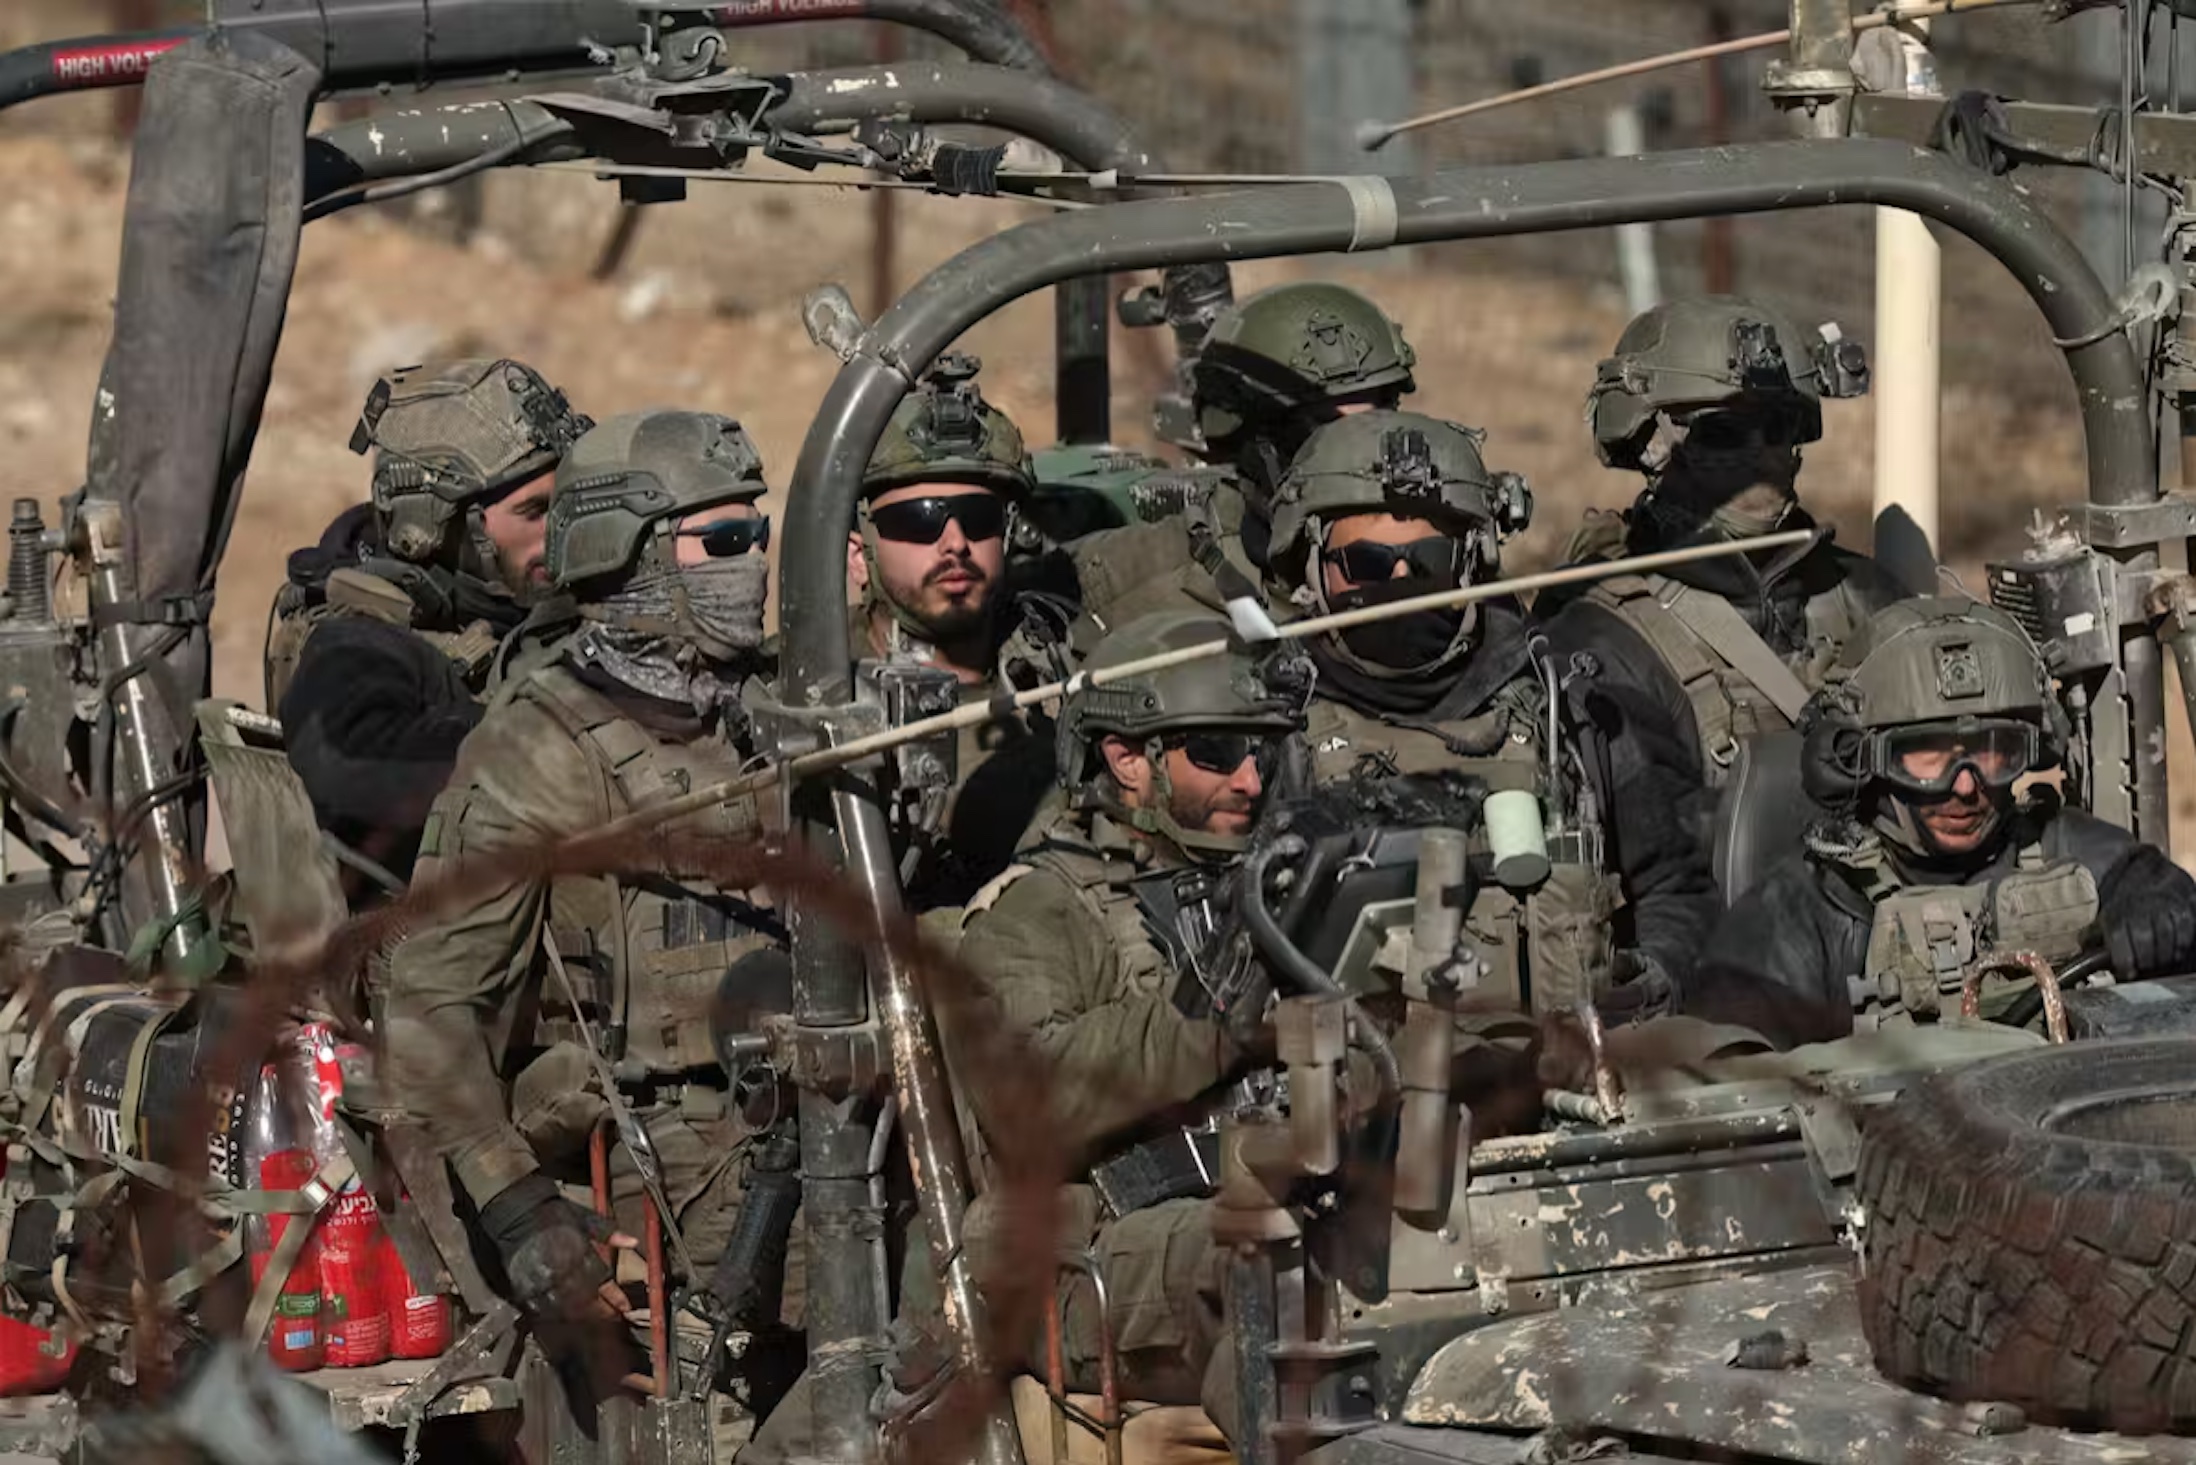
(294, 1338)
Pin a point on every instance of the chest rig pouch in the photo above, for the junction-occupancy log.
(1923, 939)
(651, 978)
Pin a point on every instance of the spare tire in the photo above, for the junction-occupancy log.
(2030, 1234)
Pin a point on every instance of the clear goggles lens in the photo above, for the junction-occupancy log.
(1928, 758)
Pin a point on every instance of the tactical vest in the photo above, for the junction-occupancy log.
(1551, 942)
(1922, 939)
(1736, 683)
(301, 607)
(648, 952)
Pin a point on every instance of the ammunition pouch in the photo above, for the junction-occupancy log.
(1181, 1165)
(1924, 939)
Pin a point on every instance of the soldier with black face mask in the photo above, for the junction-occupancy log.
(1383, 506)
(1712, 398)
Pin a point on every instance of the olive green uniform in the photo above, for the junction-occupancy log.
(1068, 958)
(473, 1005)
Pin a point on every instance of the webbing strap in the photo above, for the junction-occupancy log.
(1718, 624)
(321, 1189)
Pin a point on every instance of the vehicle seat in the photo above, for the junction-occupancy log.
(1763, 811)
(288, 891)
(1155, 1434)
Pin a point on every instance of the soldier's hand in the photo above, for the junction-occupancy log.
(2146, 906)
(549, 1248)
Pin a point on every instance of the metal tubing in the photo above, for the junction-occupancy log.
(934, 1153)
(1251, 1317)
(598, 1177)
(415, 140)
(659, 1299)
(1074, 124)
(1426, 1147)
(985, 32)
(1463, 204)
(845, 1324)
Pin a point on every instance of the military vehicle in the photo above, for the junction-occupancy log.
(1699, 1252)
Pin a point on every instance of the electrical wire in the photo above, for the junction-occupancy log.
(862, 185)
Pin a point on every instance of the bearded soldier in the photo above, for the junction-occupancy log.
(929, 559)
(1712, 398)
(1163, 775)
(1385, 506)
(1273, 367)
(1927, 859)
(382, 639)
(654, 535)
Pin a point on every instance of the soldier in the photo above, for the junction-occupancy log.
(1163, 775)
(1274, 366)
(382, 638)
(654, 534)
(929, 560)
(1927, 858)
(1385, 506)
(1712, 399)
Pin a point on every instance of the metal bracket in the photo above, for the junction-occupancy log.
(2137, 526)
(832, 1061)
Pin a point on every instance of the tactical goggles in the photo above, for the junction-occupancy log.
(729, 538)
(922, 521)
(1364, 562)
(1224, 752)
(1741, 429)
(1928, 758)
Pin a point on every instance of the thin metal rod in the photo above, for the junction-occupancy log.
(659, 1300)
(1377, 134)
(854, 750)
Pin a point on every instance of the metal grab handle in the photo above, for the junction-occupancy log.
(1110, 1422)
(2032, 965)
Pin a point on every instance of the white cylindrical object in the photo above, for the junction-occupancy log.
(1635, 242)
(1518, 838)
(1909, 289)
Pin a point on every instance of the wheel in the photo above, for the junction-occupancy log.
(2030, 1235)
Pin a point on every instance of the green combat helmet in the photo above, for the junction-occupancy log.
(1292, 350)
(945, 432)
(1240, 690)
(1400, 463)
(1930, 676)
(1716, 350)
(624, 486)
(456, 435)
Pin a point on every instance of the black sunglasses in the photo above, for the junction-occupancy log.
(730, 537)
(921, 521)
(1366, 563)
(1224, 752)
(1727, 431)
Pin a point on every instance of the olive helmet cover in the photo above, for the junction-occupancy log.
(1291, 347)
(1939, 659)
(623, 487)
(1239, 689)
(449, 436)
(1714, 351)
(945, 432)
(1388, 462)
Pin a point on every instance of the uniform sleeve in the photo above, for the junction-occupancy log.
(1119, 1059)
(372, 720)
(520, 783)
(1778, 962)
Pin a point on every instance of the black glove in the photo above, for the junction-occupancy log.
(547, 1244)
(2146, 906)
(1639, 988)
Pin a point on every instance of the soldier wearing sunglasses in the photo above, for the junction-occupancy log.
(929, 558)
(1712, 399)
(1386, 506)
(654, 539)
(1927, 854)
(1099, 943)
